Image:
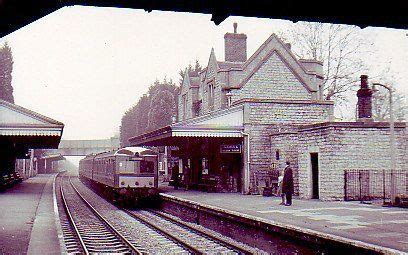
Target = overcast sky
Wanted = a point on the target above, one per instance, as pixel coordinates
(84, 66)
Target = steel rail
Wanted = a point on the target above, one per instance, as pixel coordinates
(131, 246)
(239, 249)
(72, 222)
(189, 247)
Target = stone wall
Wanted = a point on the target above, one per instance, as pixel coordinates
(191, 96)
(261, 119)
(290, 112)
(273, 80)
(286, 144)
(343, 147)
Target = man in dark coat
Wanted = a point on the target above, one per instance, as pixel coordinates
(187, 176)
(287, 185)
(175, 176)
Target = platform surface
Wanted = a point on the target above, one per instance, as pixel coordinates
(371, 224)
(27, 219)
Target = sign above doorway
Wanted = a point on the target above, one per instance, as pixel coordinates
(230, 148)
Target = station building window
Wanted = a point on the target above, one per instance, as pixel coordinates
(211, 96)
(184, 106)
(277, 154)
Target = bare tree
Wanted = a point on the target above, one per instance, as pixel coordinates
(381, 104)
(338, 47)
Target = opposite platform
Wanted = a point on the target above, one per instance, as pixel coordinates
(27, 218)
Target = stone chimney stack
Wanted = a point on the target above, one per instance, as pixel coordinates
(364, 102)
(235, 46)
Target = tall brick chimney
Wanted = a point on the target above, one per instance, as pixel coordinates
(364, 102)
(235, 46)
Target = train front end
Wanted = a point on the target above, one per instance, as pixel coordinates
(137, 174)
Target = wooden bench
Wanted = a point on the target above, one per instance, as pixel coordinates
(206, 187)
(208, 184)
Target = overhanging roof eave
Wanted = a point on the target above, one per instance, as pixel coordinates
(165, 133)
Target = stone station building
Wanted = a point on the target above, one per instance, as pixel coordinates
(240, 119)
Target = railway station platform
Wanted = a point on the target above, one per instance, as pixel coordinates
(381, 229)
(27, 218)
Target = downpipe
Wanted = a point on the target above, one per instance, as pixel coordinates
(247, 170)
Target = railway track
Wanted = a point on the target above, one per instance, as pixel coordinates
(198, 241)
(71, 238)
(94, 233)
(100, 227)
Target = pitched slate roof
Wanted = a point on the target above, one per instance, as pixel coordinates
(29, 113)
(19, 121)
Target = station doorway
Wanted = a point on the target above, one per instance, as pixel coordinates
(215, 164)
(314, 162)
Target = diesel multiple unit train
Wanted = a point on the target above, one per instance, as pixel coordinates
(128, 175)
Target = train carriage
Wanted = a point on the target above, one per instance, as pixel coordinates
(127, 174)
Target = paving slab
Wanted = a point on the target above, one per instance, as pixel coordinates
(369, 224)
(26, 208)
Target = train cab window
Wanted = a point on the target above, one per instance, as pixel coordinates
(146, 167)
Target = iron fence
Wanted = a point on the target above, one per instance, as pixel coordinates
(369, 185)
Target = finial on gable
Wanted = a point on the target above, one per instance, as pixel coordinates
(235, 27)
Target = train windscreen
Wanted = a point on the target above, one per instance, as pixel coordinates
(146, 167)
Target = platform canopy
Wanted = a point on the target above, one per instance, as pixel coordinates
(225, 124)
(173, 135)
(22, 129)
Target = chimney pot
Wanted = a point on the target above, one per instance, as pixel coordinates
(235, 27)
(364, 81)
(364, 103)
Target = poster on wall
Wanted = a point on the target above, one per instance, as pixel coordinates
(204, 166)
(180, 165)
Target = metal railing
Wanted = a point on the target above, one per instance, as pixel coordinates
(369, 185)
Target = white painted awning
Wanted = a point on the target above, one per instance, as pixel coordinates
(19, 121)
(30, 132)
(206, 133)
(226, 123)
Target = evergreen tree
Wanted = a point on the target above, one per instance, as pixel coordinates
(152, 111)
(6, 68)
(161, 109)
(191, 71)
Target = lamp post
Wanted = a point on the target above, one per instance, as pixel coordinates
(392, 143)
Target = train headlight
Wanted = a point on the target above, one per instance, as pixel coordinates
(122, 183)
(137, 183)
(150, 183)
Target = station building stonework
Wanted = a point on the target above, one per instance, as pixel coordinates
(242, 118)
